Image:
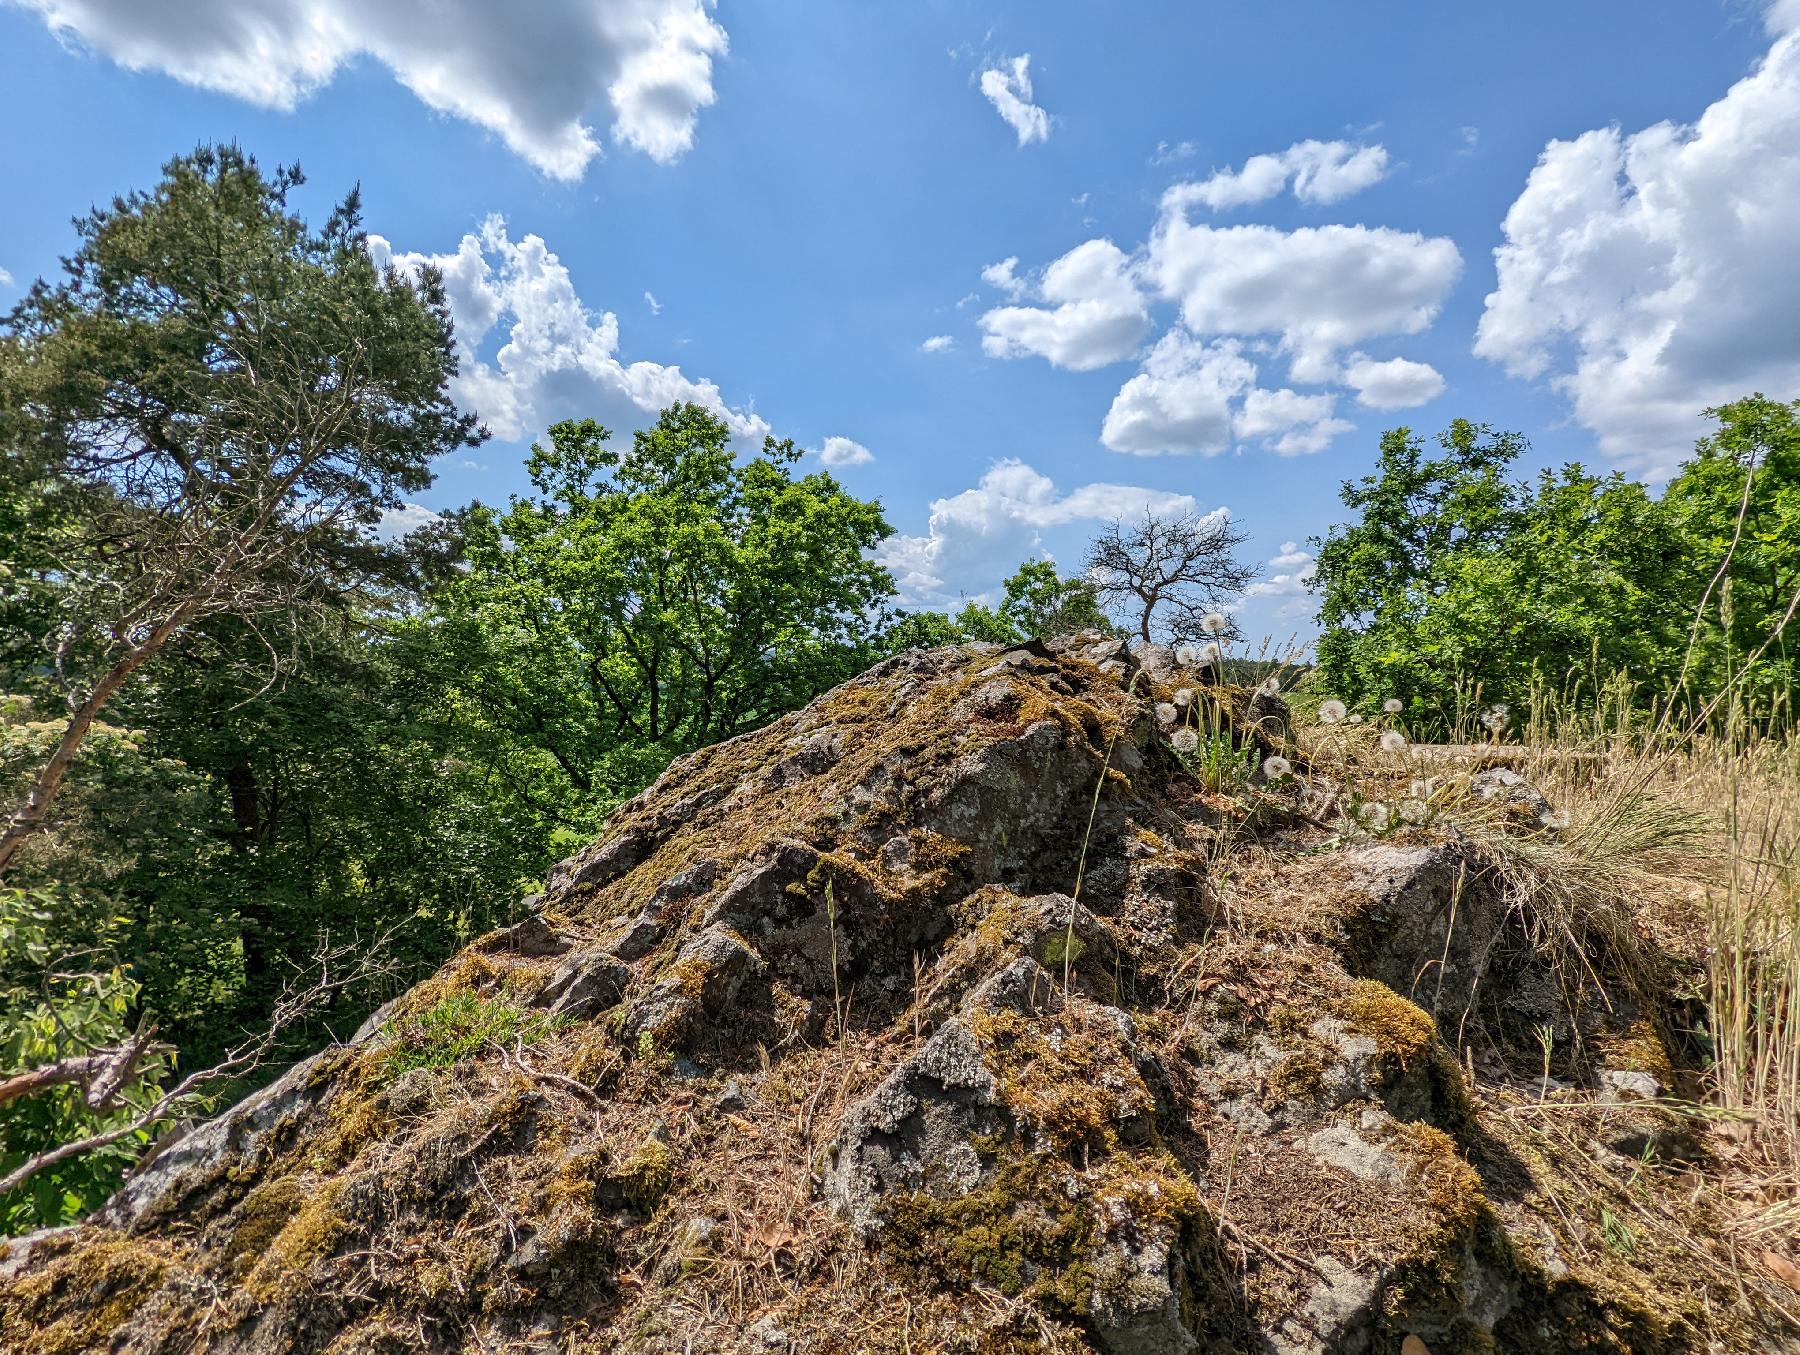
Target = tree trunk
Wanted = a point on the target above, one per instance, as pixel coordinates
(29, 818)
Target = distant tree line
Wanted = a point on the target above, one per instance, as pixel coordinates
(1456, 582)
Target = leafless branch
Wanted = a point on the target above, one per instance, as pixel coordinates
(104, 1075)
(1166, 573)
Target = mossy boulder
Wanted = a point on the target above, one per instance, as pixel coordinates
(950, 1013)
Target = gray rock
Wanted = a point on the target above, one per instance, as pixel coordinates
(640, 935)
(916, 1131)
(703, 980)
(1158, 663)
(1629, 1083)
(1505, 787)
(533, 936)
(586, 983)
(1140, 1276)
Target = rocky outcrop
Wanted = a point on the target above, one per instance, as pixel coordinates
(953, 1012)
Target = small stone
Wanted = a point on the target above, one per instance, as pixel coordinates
(1517, 796)
(1631, 1083)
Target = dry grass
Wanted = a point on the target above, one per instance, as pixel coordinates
(1678, 875)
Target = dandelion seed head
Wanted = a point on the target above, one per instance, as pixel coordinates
(1374, 816)
(1210, 652)
(1496, 717)
(1414, 811)
(1186, 655)
(1392, 741)
(1393, 706)
(1165, 712)
(1271, 686)
(1185, 740)
(1356, 719)
(1184, 696)
(1330, 712)
(1423, 789)
(1214, 623)
(1277, 767)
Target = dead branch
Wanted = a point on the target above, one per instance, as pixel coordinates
(106, 1072)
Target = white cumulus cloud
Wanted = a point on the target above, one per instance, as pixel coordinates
(1651, 274)
(1008, 89)
(1004, 277)
(408, 517)
(1197, 395)
(1398, 383)
(558, 359)
(1318, 288)
(938, 343)
(6, 278)
(1321, 172)
(843, 452)
(975, 538)
(1287, 583)
(1096, 314)
(531, 74)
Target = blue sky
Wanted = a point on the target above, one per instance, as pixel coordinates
(1247, 238)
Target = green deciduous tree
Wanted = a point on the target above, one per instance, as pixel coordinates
(1036, 600)
(1455, 573)
(649, 600)
(1736, 505)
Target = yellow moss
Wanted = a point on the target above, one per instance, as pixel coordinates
(261, 1216)
(306, 1238)
(934, 851)
(1287, 1020)
(78, 1302)
(1452, 1187)
(1299, 1076)
(1401, 1030)
(1069, 1078)
(1638, 1048)
(645, 1177)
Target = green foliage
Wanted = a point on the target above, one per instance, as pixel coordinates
(1452, 573)
(649, 601)
(457, 1027)
(1738, 500)
(55, 1004)
(1037, 601)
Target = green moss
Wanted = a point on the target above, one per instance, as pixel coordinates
(1036, 1231)
(1288, 1021)
(259, 1219)
(305, 1239)
(642, 1179)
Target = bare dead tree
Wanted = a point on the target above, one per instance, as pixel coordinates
(106, 1075)
(215, 405)
(1163, 574)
